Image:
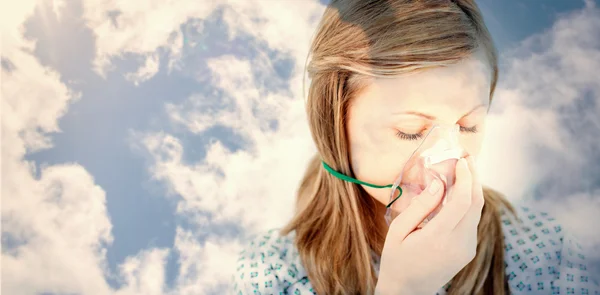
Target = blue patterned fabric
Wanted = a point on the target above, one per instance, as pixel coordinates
(540, 258)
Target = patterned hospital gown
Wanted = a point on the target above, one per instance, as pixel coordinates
(540, 258)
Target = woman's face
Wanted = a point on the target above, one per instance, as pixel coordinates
(389, 119)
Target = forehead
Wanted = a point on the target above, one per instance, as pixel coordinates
(455, 88)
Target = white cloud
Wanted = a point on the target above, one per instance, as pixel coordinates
(512, 139)
(141, 27)
(283, 25)
(147, 71)
(55, 226)
(57, 7)
(204, 268)
(62, 224)
(229, 182)
(58, 224)
(144, 273)
(228, 185)
(544, 138)
(144, 28)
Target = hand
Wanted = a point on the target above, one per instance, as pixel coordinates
(423, 260)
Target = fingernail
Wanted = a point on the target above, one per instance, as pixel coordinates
(434, 186)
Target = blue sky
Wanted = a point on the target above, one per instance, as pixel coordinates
(149, 102)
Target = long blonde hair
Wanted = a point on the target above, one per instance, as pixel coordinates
(337, 223)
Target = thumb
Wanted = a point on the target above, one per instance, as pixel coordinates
(420, 207)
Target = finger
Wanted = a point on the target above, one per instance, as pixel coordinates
(457, 206)
(470, 222)
(420, 206)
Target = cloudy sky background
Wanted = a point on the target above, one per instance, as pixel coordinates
(144, 142)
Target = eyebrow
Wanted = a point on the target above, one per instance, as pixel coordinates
(430, 117)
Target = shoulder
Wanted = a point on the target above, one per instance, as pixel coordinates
(531, 228)
(542, 257)
(269, 263)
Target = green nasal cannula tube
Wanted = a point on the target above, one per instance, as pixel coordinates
(353, 180)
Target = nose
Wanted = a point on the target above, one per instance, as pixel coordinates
(436, 157)
(444, 170)
(442, 153)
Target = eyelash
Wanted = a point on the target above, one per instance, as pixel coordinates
(417, 136)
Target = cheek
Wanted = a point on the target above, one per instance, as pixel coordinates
(472, 142)
(372, 163)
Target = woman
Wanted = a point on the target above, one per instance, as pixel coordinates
(383, 73)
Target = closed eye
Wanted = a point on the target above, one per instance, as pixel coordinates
(417, 136)
(472, 129)
(407, 136)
